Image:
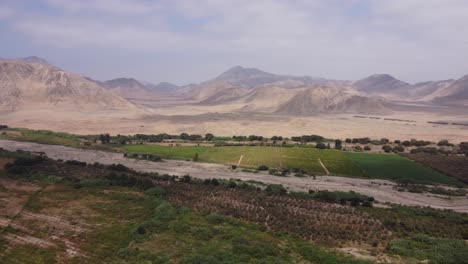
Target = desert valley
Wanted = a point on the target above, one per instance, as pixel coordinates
(240, 101)
(226, 132)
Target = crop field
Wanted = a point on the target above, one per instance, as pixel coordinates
(395, 167)
(253, 156)
(455, 166)
(41, 136)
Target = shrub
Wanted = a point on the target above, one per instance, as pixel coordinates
(156, 192)
(276, 189)
(165, 212)
(215, 218)
(262, 168)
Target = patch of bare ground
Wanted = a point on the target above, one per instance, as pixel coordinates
(19, 226)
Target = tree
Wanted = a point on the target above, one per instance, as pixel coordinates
(209, 137)
(320, 145)
(195, 158)
(104, 138)
(338, 144)
(399, 149)
(387, 148)
(384, 140)
(367, 148)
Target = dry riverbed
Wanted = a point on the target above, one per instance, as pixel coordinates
(381, 190)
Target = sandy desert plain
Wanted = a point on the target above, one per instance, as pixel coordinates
(164, 116)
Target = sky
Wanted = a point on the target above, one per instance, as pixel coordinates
(189, 41)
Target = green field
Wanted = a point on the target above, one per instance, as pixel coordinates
(395, 167)
(42, 137)
(254, 156)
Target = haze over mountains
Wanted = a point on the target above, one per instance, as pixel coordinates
(32, 82)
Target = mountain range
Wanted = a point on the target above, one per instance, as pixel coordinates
(33, 82)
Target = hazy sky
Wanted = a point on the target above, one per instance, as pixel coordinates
(194, 40)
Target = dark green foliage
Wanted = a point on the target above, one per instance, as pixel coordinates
(338, 144)
(424, 247)
(276, 189)
(387, 148)
(76, 163)
(209, 137)
(321, 145)
(308, 138)
(262, 168)
(118, 167)
(186, 179)
(215, 218)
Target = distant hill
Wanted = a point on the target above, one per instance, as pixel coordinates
(326, 99)
(35, 85)
(163, 88)
(129, 88)
(379, 83)
(422, 91)
(34, 59)
(251, 79)
(267, 98)
(455, 93)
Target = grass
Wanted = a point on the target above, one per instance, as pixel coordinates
(42, 137)
(254, 156)
(423, 247)
(126, 228)
(398, 168)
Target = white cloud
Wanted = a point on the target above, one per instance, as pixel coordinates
(119, 7)
(409, 38)
(6, 12)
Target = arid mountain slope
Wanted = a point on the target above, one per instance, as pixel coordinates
(267, 98)
(456, 93)
(251, 79)
(379, 84)
(25, 85)
(129, 88)
(327, 99)
(225, 96)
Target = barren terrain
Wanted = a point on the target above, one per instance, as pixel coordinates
(381, 190)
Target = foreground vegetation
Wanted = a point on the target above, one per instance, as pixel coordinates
(78, 212)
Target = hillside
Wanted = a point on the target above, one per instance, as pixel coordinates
(326, 99)
(25, 85)
(129, 88)
(224, 96)
(267, 98)
(456, 93)
(378, 83)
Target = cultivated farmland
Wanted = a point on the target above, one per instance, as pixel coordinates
(253, 156)
(395, 167)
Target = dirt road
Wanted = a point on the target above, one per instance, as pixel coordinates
(381, 190)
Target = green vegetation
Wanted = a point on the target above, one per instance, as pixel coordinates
(398, 168)
(41, 136)
(423, 247)
(304, 158)
(124, 225)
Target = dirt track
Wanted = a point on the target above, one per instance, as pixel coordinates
(381, 190)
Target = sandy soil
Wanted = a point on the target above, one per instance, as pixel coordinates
(381, 190)
(223, 122)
